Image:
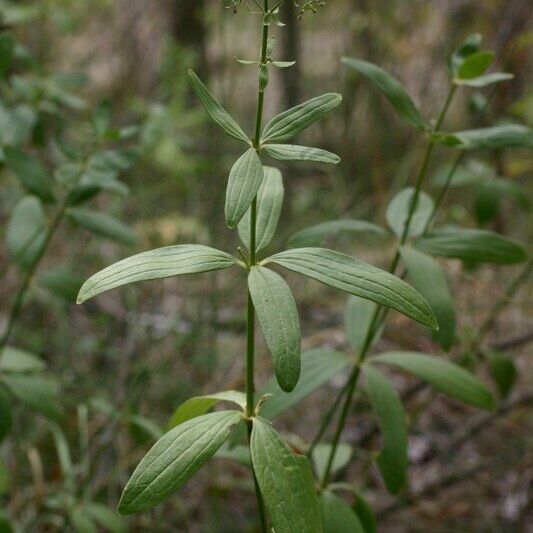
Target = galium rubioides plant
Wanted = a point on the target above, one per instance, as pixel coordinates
(286, 494)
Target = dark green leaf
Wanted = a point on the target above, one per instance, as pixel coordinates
(321, 454)
(292, 152)
(355, 277)
(493, 138)
(103, 225)
(365, 514)
(318, 367)
(428, 278)
(216, 111)
(391, 88)
(337, 517)
(475, 65)
(442, 375)
(386, 403)
(244, 181)
(278, 316)
(503, 372)
(156, 264)
(398, 212)
(291, 122)
(174, 459)
(6, 418)
(472, 245)
(288, 493)
(143, 430)
(269, 204)
(468, 47)
(62, 283)
(7, 47)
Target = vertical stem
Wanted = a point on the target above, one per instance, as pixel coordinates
(250, 320)
(379, 314)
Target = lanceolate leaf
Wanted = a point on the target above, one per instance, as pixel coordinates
(391, 88)
(321, 454)
(201, 404)
(355, 277)
(429, 279)
(398, 212)
(442, 375)
(392, 460)
(174, 459)
(244, 181)
(16, 360)
(478, 246)
(288, 493)
(292, 152)
(357, 320)
(6, 418)
(318, 367)
(30, 172)
(103, 225)
(487, 79)
(503, 372)
(365, 513)
(337, 517)
(216, 111)
(289, 123)
(160, 263)
(278, 316)
(315, 235)
(269, 204)
(495, 137)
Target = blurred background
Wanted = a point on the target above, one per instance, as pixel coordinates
(100, 77)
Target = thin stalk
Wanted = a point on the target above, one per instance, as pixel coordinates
(379, 314)
(250, 321)
(16, 308)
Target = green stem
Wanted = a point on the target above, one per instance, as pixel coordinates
(379, 314)
(16, 308)
(250, 321)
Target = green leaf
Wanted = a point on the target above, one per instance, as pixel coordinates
(174, 459)
(16, 125)
(337, 517)
(357, 320)
(7, 47)
(315, 235)
(62, 283)
(503, 372)
(30, 172)
(5, 482)
(291, 122)
(216, 111)
(365, 513)
(19, 361)
(468, 47)
(81, 521)
(484, 81)
(287, 491)
(321, 454)
(269, 204)
(199, 405)
(493, 138)
(113, 160)
(36, 392)
(386, 403)
(6, 418)
(244, 181)
(442, 375)
(103, 225)
(292, 152)
(156, 264)
(391, 88)
(105, 517)
(143, 430)
(278, 316)
(475, 65)
(318, 367)
(25, 233)
(472, 245)
(428, 278)
(355, 277)
(398, 212)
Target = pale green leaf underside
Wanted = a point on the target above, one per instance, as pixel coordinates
(292, 152)
(386, 403)
(495, 137)
(244, 181)
(278, 316)
(321, 454)
(291, 122)
(398, 212)
(315, 235)
(357, 320)
(485, 80)
(337, 517)
(174, 459)
(269, 204)
(428, 278)
(16, 360)
(391, 88)
(216, 111)
(442, 375)
(318, 367)
(199, 405)
(475, 245)
(155, 264)
(355, 277)
(288, 493)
